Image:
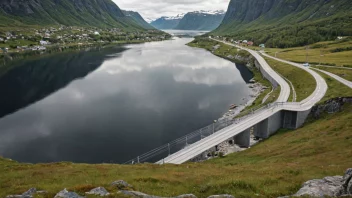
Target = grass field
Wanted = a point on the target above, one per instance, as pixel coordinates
(335, 88)
(342, 72)
(337, 53)
(303, 88)
(276, 167)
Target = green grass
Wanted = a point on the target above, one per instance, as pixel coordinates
(342, 72)
(304, 88)
(317, 53)
(335, 88)
(275, 167)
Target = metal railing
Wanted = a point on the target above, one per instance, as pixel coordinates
(170, 148)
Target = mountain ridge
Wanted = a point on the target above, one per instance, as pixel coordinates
(201, 20)
(138, 19)
(286, 23)
(94, 13)
(196, 20)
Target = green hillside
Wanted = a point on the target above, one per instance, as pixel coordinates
(287, 23)
(138, 19)
(95, 13)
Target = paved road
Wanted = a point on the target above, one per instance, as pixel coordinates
(285, 88)
(321, 86)
(336, 77)
(335, 67)
(247, 122)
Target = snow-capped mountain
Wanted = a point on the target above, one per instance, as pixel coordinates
(197, 20)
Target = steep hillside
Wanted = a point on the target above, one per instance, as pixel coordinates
(201, 20)
(167, 22)
(138, 19)
(97, 13)
(287, 23)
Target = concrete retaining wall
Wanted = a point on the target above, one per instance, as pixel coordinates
(301, 117)
(266, 75)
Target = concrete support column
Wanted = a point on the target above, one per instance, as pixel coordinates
(243, 139)
(261, 130)
(290, 119)
(301, 117)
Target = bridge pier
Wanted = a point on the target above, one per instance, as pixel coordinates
(243, 139)
(290, 120)
(261, 130)
(275, 122)
(301, 117)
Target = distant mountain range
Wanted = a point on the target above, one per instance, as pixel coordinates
(94, 13)
(166, 23)
(287, 23)
(198, 20)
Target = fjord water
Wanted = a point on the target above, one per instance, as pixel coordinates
(112, 104)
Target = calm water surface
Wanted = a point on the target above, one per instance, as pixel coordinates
(112, 104)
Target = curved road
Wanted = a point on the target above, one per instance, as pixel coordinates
(247, 122)
(336, 77)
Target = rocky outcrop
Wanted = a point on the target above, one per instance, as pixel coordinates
(120, 184)
(136, 194)
(328, 186)
(331, 106)
(28, 194)
(221, 196)
(100, 191)
(66, 194)
(335, 186)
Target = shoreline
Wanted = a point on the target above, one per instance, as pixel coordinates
(256, 88)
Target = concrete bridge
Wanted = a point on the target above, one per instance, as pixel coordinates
(263, 122)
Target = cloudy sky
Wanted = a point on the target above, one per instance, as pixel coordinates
(152, 9)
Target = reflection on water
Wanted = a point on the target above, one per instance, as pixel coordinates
(113, 104)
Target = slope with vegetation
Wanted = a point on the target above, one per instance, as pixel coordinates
(138, 19)
(287, 23)
(102, 14)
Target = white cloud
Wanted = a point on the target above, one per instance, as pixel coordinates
(152, 9)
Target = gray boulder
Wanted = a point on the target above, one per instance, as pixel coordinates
(98, 191)
(137, 194)
(221, 196)
(120, 184)
(187, 196)
(28, 194)
(347, 182)
(143, 195)
(66, 194)
(329, 186)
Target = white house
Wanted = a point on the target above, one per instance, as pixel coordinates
(244, 41)
(1, 39)
(44, 42)
(96, 33)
